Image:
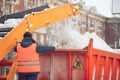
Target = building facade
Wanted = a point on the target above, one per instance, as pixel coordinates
(112, 32)
(106, 28)
(12, 6)
(90, 21)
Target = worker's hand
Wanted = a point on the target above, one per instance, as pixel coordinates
(53, 48)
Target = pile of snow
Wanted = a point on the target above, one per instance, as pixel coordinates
(64, 36)
(10, 23)
(97, 41)
(67, 38)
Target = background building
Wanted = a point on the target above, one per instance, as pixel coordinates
(91, 21)
(11, 6)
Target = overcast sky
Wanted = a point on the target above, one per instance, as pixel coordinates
(103, 6)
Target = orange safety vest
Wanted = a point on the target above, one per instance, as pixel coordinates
(28, 59)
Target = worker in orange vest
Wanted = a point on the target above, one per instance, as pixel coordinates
(28, 57)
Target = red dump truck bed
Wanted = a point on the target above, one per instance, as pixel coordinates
(89, 64)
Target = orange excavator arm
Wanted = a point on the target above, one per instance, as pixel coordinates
(32, 22)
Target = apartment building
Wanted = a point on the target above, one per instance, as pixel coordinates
(90, 20)
(108, 28)
(12, 6)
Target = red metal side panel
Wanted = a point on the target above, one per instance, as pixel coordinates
(106, 65)
(102, 68)
(107, 68)
(102, 65)
(114, 69)
(93, 64)
(45, 64)
(118, 69)
(63, 65)
(96, 66)
(60, 66)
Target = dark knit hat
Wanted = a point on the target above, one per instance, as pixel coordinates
(27, 34)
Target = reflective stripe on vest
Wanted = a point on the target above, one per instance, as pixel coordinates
(31, 63)
(28, 59)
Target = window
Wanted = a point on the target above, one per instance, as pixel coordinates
(7, 10)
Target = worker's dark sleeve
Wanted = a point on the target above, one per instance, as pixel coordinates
(15, 48)
(44, 49)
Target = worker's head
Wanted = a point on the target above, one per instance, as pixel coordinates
(27, 34)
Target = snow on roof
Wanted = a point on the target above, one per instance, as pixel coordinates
(10, 23)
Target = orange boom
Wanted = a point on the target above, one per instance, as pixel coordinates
(30, 23)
